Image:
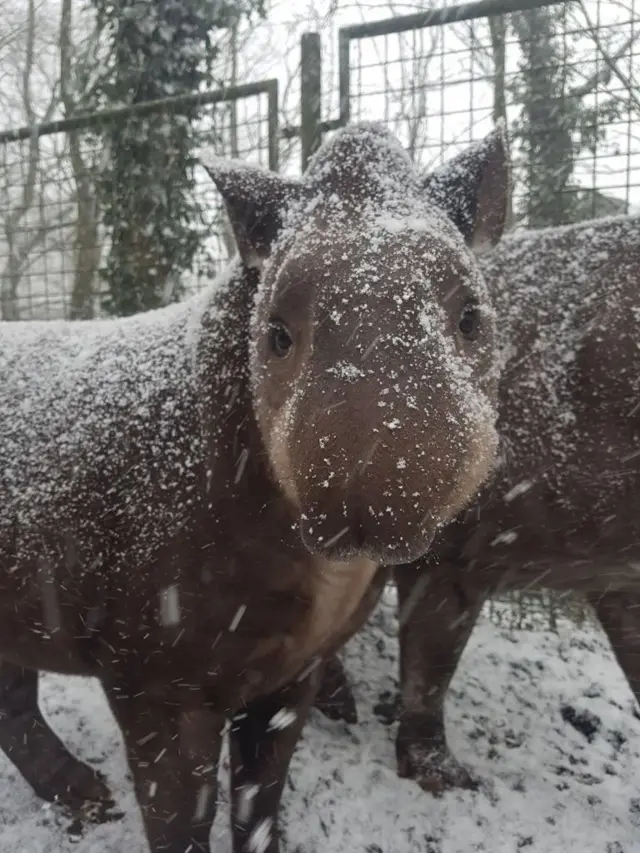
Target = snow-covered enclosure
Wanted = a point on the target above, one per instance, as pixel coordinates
(545, 720)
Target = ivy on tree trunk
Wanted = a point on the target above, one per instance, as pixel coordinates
(547, 118)
(556, 121)
(159, 49)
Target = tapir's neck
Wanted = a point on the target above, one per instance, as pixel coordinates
(237, 468)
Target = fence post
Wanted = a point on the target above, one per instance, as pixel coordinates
(310, 96)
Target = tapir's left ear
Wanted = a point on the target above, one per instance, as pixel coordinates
(473, 189)
(256, 201)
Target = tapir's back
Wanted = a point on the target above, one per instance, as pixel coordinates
(568, 305)
(81, 407)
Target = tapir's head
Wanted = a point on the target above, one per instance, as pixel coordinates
(372, 356)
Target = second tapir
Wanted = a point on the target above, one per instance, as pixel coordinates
(561, 510)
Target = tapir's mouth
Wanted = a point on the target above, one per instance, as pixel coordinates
(349, 542)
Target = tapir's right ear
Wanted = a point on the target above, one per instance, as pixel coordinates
(474, 188)
(256, 201)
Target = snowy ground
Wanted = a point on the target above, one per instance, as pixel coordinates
(548, 786)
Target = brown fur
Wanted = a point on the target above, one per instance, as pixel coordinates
(198, 520)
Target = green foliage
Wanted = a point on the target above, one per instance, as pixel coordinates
(159, 49)
(557, 121)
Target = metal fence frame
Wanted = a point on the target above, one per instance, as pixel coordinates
(313, 126)
(417, 21)
(54, 296)
(351, 96)
(176, 104)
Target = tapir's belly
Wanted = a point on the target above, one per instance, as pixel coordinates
(569, 527)
(44, 625)
(519, 556)
(40, 624)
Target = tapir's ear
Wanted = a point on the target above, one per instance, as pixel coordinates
(256, 201)
(473, 189)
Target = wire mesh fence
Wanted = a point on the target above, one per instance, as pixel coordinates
(540, 610)
(561, 75)
(53, 241)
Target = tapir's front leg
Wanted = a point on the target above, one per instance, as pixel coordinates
(262, 741)
(436, 617)
(36, 751)
(173, 754)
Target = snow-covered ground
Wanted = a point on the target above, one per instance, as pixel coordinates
(547, 786)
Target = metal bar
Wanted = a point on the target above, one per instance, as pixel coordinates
(344, 69)
(310, 96)
(175, 104)
(438, 17)
(272, 124)
(294, 130)
(330, 124)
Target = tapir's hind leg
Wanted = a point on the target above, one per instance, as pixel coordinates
(35, 750)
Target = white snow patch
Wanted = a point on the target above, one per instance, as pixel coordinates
(245, 802)
(282, 719)
(237, 617)
(519, 489)
(169, 605)
(347, 371)
(260, 838)
(505, 538)
(205, 792)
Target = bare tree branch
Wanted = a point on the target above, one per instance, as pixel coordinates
(87, 249)
(603, 77)
(16, 225)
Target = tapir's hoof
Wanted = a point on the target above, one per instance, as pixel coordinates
(429, 763)
(76, 786)
(435, 772)
(335, 698)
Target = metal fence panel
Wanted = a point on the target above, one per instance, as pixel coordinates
(52, 241)
(439, 79)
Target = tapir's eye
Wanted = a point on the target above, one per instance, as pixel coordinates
(280, 340)
(469, 322)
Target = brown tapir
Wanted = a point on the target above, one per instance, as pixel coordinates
(195, 502)
(562, 509)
